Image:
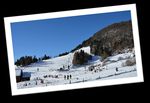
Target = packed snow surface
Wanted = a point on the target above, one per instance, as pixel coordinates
(48, 73)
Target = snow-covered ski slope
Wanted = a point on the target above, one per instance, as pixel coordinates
(47, 73)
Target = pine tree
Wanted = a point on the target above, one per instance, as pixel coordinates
(45, 57)
(35, 59)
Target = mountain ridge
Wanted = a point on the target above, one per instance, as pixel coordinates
(113, 38)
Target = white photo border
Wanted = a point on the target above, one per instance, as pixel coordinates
(42, 16)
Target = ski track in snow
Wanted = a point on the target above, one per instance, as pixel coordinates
(48, 70)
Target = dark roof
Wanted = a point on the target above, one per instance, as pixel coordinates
(26, 74)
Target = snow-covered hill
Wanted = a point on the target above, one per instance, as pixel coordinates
(48, 71)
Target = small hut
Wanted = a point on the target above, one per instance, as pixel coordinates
(22, 76)
(18, 75)
(26, 76)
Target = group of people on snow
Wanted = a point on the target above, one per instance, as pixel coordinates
(66, 77)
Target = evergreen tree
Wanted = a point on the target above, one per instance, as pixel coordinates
(39, 59)
(62, 54)
(81, 57)
(45, 57)
(35, 59)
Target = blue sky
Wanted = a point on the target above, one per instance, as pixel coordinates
(55, 36)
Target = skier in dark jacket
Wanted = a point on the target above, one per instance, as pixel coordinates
(116, 68)
(70, 76)
(64, 76)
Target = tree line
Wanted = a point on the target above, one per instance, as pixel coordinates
(62, 54)
(27, 60)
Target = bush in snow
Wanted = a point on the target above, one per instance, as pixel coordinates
(129, 62)
(120, 58)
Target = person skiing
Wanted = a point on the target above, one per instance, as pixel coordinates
(70, 76)
(68, 67)
(67, 76)
(64, 76)
(37, 69)
(116, 68)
